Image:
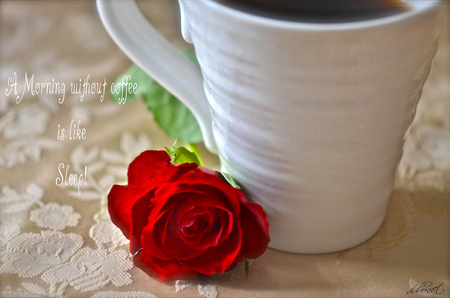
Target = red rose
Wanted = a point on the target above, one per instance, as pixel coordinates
(183, 219)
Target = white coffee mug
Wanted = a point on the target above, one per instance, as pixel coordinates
(309, 118)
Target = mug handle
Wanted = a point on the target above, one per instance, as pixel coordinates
(148, 49)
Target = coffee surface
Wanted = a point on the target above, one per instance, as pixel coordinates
(320, 11)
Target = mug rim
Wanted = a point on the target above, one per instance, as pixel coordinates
(340, 26)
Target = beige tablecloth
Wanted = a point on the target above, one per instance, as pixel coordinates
(55, 243)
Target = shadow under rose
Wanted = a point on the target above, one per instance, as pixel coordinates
(277, 271)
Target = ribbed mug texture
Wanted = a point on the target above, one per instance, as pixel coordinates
(311, 122)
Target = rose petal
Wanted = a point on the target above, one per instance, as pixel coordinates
(153, 168)
(212, 173)
(220, 219)
(179, 246)
(194, 224)
(120, 201)
(183, 168)
(140, 212)
(171, 194)
(169, 270)
(203, 181)
(184, 207)
(149, 170)
(171, 241)
(255, 231)
(217, 259)
(211, 235)
(155, 236)
(226, 221)
(207, 196)
(151, 236)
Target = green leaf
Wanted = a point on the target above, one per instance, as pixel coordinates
(171, 151)
(182, 155)
(179, 155)
(136, 75)
(229, 179)
(171, 115)
(191, 55)
(247, 268)
(193, 148)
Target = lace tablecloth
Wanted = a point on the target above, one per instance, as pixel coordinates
(55, 241)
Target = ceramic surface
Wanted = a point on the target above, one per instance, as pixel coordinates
(309, 118)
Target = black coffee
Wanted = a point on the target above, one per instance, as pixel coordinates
(320, 11)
